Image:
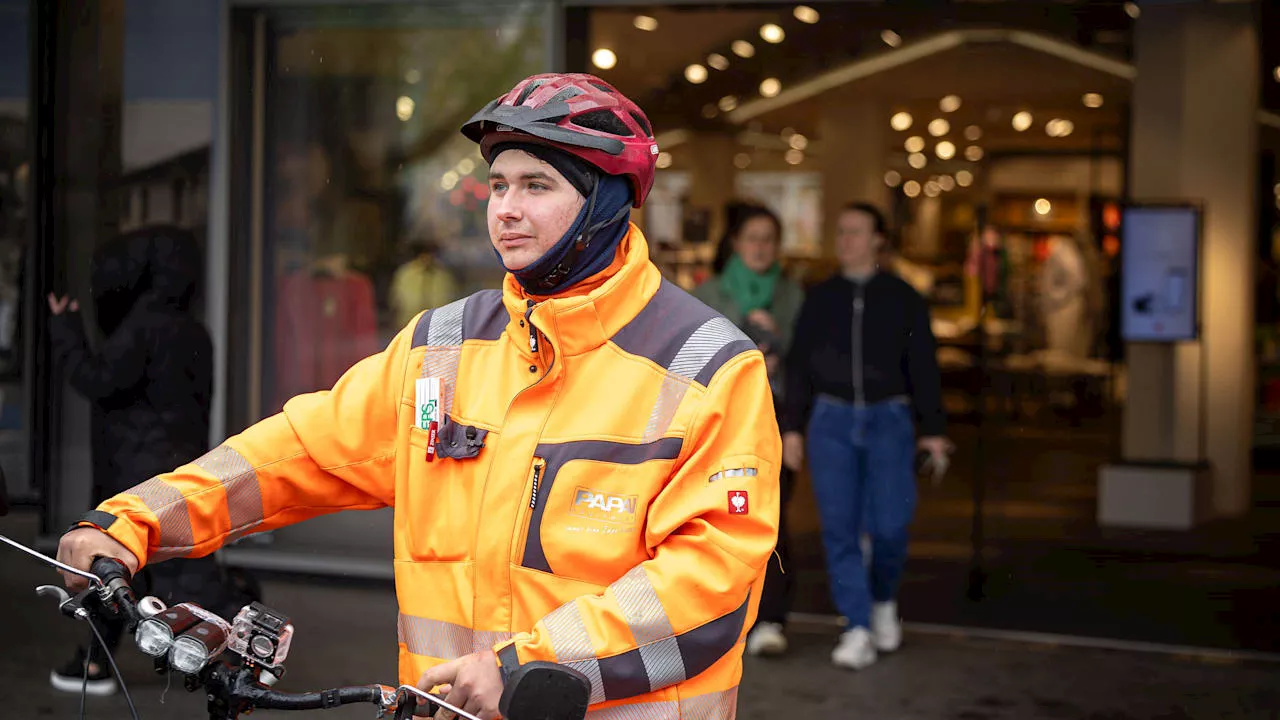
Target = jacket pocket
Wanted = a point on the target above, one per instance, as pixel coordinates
(524, 527)
(438, 520)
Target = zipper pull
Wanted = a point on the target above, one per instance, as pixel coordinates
(533, 332)
(537, 478)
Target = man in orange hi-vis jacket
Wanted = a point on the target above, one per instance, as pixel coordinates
(583, 466)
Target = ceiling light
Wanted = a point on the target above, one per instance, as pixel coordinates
(646, 23)
(947, 183)
(412, 76)
(794, 157)
(1059, 128)
(805, 14)
(604, 58)
(742, 161)
(900, 121)
(973, 132)
(709, 111)
(695, 74)
(1043, 207)
(718, 61)
(798, 141)
(945, 150)
(787, 132)
(404, 108)
(664, 160)
(964, 178)
(917, 160)
(743, 49)
(973, 153)
(728, 103)
(939, 127)
(891, 38)
(1276, 73)
(449, 180)
(466, 166)
(911, 188)
(949, 104)
(914, 144)
(770, 87)
(1132, 9)
(1092, 100)
(771, 33)
(932, 189)
(892, 178)
(1022, 121)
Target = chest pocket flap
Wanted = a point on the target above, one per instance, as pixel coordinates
(458, 441)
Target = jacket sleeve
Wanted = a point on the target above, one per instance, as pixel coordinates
(119, 365)
(675, 615)
(326, 451)
(798, 399)
(922, 370)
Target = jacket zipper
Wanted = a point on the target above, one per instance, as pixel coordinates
(535, 486)
(533, 331)
(859, 305)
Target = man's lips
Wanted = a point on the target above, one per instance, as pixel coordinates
(513, 239)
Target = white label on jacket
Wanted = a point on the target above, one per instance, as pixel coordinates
(427, 402)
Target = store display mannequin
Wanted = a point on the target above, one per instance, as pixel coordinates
(325, 323)
(1064, 302)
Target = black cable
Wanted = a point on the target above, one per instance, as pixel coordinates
(84, 686)
(116, 670)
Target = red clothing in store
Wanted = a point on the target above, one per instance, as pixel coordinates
(325, 323)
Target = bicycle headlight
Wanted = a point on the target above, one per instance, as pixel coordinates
(155, 634)
(197, 646)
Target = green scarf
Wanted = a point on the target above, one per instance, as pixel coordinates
(749, 289)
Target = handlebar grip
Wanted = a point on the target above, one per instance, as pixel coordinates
(272, 700)
(109, 569)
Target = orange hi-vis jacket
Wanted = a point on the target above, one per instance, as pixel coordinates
(604, 491)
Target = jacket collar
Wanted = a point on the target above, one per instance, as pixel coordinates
(587, 315)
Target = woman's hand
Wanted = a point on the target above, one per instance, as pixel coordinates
(59, 305)
(793, 450)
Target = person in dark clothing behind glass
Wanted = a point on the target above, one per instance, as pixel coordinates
(862, 375)
(150, 384)
(750, 290)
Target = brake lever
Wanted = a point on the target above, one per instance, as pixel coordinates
(404, 691)
(93, 579)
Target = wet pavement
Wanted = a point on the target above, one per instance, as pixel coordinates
(346, 635)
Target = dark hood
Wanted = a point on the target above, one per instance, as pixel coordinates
(162, 262)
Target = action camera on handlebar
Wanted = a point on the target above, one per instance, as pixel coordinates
(261, 634)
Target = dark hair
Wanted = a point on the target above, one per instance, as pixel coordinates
(737, 215)
(878, 222)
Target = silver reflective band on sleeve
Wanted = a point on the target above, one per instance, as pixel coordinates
(240, 481)
(711, 706)
(692, 358)
(444, 640)
(734, 473)
(170, 508)
(651, 627)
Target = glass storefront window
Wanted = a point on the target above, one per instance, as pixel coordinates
(374, 203)
(15, 173)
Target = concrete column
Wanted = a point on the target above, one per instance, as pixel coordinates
(853, 130)
(1194, 137)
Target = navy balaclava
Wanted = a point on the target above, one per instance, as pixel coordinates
(591, 241)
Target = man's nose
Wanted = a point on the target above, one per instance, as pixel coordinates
(508, 208)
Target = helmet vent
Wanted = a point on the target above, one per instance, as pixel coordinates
(565, 94)
(524, 94)
(602, 86)
(641, 122)
(602, 121)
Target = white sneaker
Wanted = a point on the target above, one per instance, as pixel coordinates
(766, 639)
(855, 650)
(886, 626)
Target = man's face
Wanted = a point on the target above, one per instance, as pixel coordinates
(857, 241)
(531, 206)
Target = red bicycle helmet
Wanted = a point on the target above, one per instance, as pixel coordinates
(579, 114)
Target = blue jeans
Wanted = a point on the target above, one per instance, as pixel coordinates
(862, 461)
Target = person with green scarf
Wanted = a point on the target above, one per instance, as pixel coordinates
(750, 290)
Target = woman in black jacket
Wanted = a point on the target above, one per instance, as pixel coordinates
(861, 374)
(150, 384)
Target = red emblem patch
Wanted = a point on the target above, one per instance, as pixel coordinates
(738, 504)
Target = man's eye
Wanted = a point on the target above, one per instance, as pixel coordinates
(537, 186)
(498, 186)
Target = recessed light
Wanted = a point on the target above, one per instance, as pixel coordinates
(604, 58)
(646, 23)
